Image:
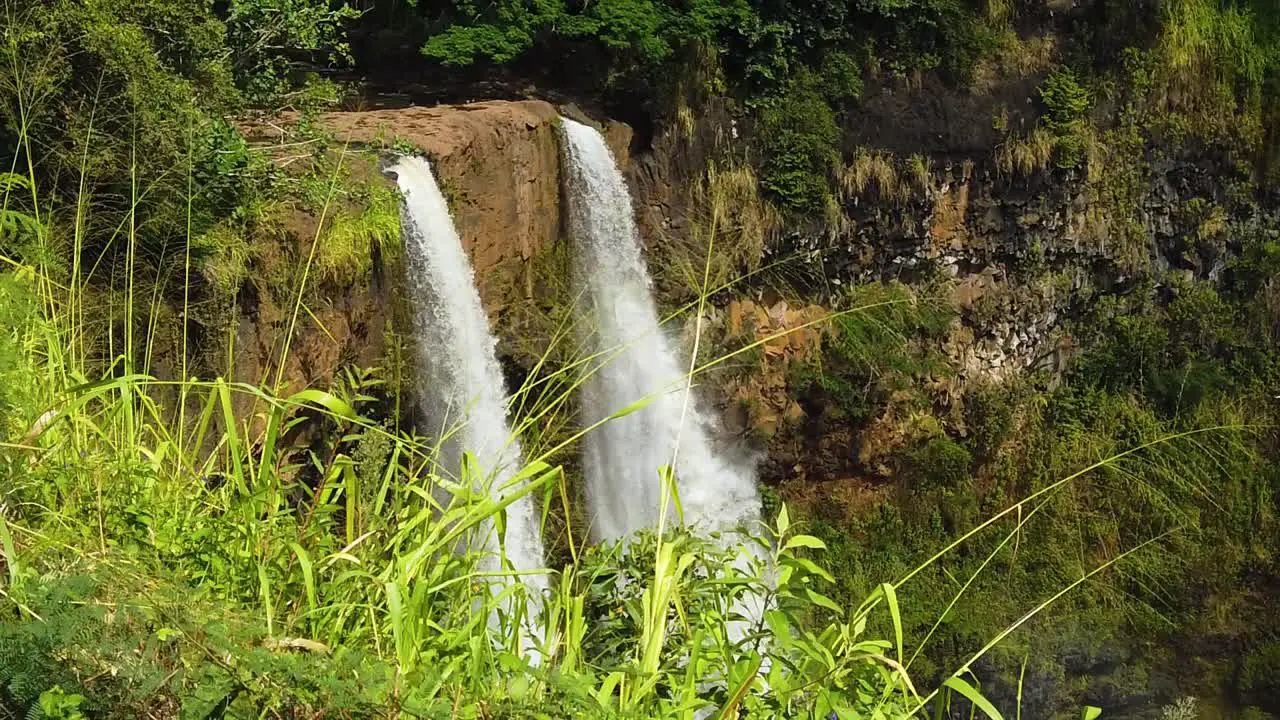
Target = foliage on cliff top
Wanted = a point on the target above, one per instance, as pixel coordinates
(1228, 39)
(761, 43)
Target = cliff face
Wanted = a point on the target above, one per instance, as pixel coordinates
(498, 164)
(1021, 253)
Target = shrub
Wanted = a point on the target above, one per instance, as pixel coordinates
(1260, 671)
(800, 139)
(1066, 107)
(989, 414)
(939, 463)
(1066, 102)
(271, 39)
(124, 102)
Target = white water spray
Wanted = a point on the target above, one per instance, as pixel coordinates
(462, 388)
(623, 457)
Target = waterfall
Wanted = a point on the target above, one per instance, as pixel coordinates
(461, 385)
(622, 457)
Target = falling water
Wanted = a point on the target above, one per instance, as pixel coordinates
(462, 387)
(623, 457)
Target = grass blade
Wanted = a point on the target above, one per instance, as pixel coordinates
(973, 696)
(10, 552)
(891, 598)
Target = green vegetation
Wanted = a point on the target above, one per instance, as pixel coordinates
(796, 63)
(801, 142)
(763, 44)
(218, 568)
(346, 249)
(880, 354)
(1066, 104)
(1157, 364)
(173, 547)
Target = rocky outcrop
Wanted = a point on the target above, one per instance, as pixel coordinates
(1023, 254)
(498, 164)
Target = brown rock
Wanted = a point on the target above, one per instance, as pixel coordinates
(618, 137)
(968, 291)
(499, 165)
(948, 216)
(737, 311)
(497, 162)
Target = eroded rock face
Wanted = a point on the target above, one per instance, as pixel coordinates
(498, 164)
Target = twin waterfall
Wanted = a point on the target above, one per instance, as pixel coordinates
(465, 399)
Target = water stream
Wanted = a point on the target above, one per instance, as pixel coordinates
(461, 387)
(623, 457)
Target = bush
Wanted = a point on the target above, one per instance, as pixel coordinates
(988, 416)
(1065, 100)
(273, 38)
(1260, 672)
(634, 37)
(1066, 105)
(801, 143)
(939, 463)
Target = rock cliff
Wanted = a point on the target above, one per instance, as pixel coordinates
(1020, 253)
(498, 165)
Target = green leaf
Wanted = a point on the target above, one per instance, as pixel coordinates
(804, 541)
(730, 709)
(975, 697)
(235, 458)
(812, 568)
(308, 577)
(326, 401)
(891, 597)
(264, 588)
(872, 647)
(9, 551)
(819, 599)
(1091, 712)
(636, 406)
(784, 520)
(604, 694)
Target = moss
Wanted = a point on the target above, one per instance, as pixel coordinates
(224, 254)
(938, 462)
(346, 251)
(989, 416)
